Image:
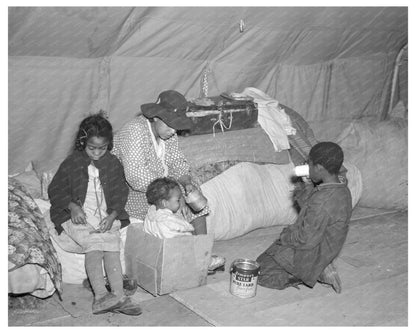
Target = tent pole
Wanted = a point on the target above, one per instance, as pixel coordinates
(394, 83)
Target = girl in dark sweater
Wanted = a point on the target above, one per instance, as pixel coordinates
(88, 194)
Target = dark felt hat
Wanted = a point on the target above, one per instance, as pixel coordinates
(171, 107)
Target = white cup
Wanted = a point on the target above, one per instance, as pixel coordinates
(302, 170)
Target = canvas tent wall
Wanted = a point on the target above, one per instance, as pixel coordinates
(331, 63)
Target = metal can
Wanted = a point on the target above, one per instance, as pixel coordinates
(243, 280)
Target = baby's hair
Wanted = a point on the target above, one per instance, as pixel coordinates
(159, 189)
(327, 154)
(95, 125)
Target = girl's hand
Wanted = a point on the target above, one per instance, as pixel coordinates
(106, 223)
(77, 215)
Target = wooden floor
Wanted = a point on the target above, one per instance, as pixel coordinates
(373, 266)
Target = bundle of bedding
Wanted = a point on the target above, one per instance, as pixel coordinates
(384, 167)
(32, 260)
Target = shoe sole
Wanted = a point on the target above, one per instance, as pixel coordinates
(110, 308)
(128, 312)
(218, 269)
(129, 309)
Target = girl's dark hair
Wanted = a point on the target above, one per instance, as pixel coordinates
(159, 190)
(95, 125)
(327, 154)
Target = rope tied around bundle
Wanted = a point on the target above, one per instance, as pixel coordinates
(220, 120)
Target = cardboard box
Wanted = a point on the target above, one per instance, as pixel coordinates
(162, 266)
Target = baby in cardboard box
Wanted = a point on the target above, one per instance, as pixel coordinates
(165, 218)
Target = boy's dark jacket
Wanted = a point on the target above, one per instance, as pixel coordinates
(305, 248)
(70, 183)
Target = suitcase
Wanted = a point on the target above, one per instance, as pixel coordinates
(224, 114)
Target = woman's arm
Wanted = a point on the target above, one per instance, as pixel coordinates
(175, 160)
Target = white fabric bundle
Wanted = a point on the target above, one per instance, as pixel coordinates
(248, 196)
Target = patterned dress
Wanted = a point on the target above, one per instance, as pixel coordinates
(144, 160)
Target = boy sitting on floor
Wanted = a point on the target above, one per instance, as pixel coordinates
(304, 251)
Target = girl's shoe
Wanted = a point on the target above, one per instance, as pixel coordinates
(127, 307)
(106, 303)
(217, 264)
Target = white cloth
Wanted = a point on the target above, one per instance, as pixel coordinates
(272, 118)
(95, 206)
(162, 223)
(160, 149)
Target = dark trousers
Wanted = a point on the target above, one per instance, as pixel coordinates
(272, 275)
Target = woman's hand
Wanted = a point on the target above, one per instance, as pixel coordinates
(77, 214)
(185, 181)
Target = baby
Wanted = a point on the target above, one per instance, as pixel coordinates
(163, 218)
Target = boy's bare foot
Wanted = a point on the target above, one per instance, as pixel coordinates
(330, 276)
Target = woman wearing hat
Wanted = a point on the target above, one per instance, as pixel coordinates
(147, 146)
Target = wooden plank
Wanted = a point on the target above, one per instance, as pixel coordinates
(379, 303)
